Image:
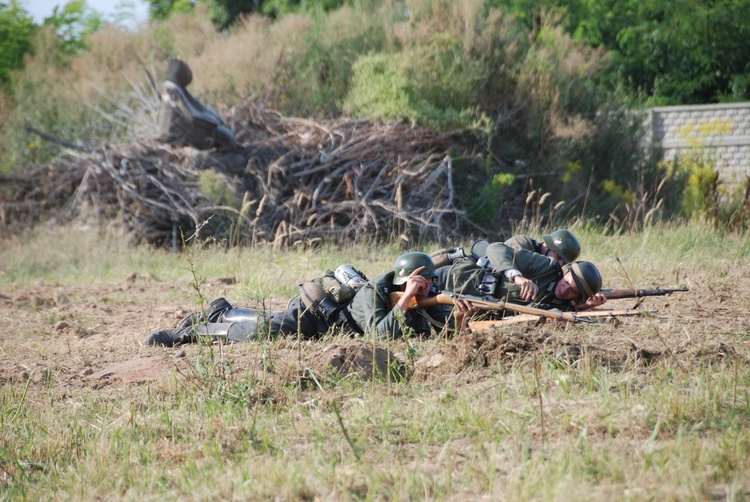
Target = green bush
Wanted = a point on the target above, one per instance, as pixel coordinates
(564, 132)
(483, 205)
(216, 189)
(702, 190)
(318, 65)
(433, 86)
(16, 33)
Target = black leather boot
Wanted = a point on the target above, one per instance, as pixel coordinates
(228, 332)
(165, 337)
(211, 314)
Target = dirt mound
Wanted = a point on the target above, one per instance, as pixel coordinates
(480, 348)
(317, 365)
(608, 346)
(359, 358)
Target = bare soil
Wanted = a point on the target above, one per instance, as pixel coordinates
(91, 337)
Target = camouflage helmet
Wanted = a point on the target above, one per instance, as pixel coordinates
(409, 262)
(586, 276)
(564, 243)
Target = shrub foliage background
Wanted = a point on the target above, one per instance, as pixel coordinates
(540, 84)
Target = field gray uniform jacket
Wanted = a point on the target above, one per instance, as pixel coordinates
(371, 310)
(299, 319)
(519, 242)
(465, 276)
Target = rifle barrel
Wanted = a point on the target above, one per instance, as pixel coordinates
(615, 294)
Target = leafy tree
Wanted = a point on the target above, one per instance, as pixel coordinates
(675, 52)
(17, 30)
(667, 51)
(72, 24)
(162, 9)
(226, 12)
(277, 8)
(223, 12)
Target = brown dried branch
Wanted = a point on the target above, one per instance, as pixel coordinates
(307, 181)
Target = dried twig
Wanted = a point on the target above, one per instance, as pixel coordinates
(340, 180)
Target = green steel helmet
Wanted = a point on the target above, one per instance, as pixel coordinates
(409, 262)
(564, 243)
(586, 276)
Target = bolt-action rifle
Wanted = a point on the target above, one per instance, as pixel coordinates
(486, 303)
(592, 315)
(616, 294)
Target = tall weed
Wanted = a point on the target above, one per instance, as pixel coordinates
(706, 195)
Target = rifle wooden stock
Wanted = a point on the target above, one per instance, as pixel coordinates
(616, 294)
(448, 298)
(591, 315)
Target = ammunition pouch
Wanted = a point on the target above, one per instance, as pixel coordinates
(326, 295)
(489, 284)
(466, 277)
(317, 299)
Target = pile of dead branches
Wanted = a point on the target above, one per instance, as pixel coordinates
(291, 181)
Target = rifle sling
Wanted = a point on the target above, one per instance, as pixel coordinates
(434, 322)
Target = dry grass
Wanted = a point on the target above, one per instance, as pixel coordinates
(652, 408)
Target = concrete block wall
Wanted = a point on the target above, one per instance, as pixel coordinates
(721, 132)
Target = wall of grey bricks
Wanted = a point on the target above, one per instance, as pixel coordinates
(718, 132)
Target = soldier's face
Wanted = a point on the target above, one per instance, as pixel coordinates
(567, 289)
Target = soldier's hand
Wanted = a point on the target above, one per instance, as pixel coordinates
(529, 289)
(417, 285)
(464, 307)
(595, 301)
(462, 313)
